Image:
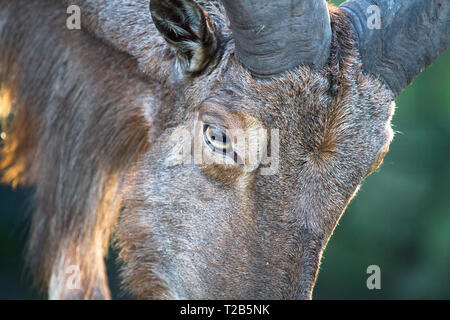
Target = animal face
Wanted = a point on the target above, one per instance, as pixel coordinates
(240, 193)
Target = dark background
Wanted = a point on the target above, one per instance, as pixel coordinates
(400, 219)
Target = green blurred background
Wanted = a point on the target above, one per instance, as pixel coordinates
(400, 219)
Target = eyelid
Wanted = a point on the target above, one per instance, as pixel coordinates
(215, 120)
(215, 113)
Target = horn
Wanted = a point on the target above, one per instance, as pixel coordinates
(411, 34)
(274, 36)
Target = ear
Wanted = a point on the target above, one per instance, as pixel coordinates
(188, 30)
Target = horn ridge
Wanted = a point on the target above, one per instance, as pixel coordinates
(275, 36)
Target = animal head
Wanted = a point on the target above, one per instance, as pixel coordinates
(262, 119)
(243, 190)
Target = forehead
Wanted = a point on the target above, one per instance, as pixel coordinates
(315, 112)
(278, 101)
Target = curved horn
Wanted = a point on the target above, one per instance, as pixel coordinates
(274, 36)
(411, 34)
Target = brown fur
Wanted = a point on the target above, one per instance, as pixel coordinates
(86, 116)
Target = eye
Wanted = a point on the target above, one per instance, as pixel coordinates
(217, 139)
